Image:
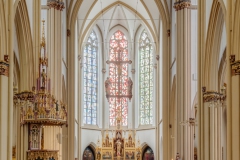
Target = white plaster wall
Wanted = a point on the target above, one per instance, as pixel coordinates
(15, 45)
(160, 141)
(76, 140)
(149, 137)
(225, 2)
(194, 55)
(89, 136)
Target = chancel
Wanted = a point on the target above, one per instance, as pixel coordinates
(119, 79)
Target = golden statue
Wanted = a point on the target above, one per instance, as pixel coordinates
(44, 77)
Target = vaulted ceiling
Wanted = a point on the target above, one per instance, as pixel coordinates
(129, 14)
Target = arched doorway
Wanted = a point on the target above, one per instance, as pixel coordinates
(148, 154)
(88, 154)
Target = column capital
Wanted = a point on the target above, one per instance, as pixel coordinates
(56, 4)
(4, 68)
(213, 96)
(181, 4)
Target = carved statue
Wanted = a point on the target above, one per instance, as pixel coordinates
(42, 141)
(107, 86)
(56, 105)
(130, 85)
(44, 77)
(98, 156)
(119, 148)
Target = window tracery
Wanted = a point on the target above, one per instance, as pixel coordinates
(146, 79)
(118, 77)
(90, 73)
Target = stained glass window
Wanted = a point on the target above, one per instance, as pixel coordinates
(88, 154)
(148, 154)
(146, 79)
(90, 80)
(118, 74)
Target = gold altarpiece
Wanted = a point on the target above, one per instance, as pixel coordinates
(118, 147)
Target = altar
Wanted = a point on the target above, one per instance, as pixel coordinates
(118, 147)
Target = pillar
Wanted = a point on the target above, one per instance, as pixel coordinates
(6, 79)
(54, 46)
(183, 76)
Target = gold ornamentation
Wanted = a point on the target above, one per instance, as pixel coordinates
(14, 152)
(235, 65)
(43, 154)
(213, 96)
(43, 61)
(181, 4)
(4, 68)
(43, 43)
(107, 142)
(40, 107)
(169, 32)
(130, 143)
(6, 58)
(56, 4)
(232, 58)
(119, 147)
(203, 89)
(68, 32)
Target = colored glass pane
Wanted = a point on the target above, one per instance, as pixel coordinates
(145, 79)
(118, 74)
(90, 80)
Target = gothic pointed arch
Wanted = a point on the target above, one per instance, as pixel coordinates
(25, 46)
(145, 79)
(118, 77)
(90, 80)
(147, 153)
(88, 154)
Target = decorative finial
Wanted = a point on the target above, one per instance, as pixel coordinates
(43, 43)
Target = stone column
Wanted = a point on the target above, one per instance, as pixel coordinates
(54, 52)
(183, 76)
(212, 103)
(6, 79)
(54, 46)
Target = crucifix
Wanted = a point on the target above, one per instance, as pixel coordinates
(119, 62)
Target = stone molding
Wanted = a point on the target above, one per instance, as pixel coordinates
(182, 4)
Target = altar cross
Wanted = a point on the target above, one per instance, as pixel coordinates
(118, 63)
